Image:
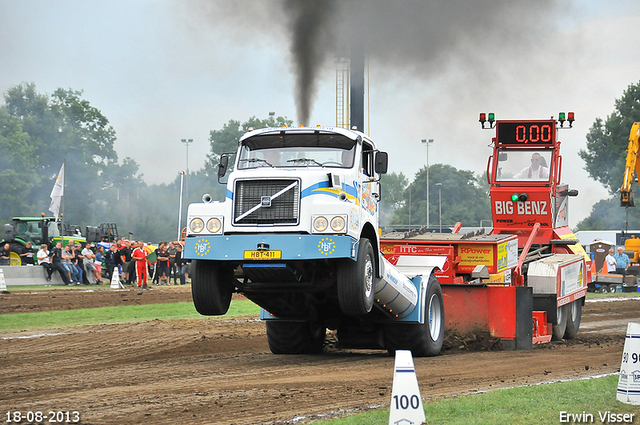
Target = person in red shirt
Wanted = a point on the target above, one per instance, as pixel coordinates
(140, 257)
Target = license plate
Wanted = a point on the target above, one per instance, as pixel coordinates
(262, 255)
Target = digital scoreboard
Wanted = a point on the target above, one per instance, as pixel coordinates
(526, 133)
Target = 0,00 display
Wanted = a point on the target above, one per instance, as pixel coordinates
(526, 132)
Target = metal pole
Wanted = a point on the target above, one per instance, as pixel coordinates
(439, 186)
(428, 186)
(180, 208)
(64, 186)
(186, 142)
(187, 169)
(427, 142)
(409, 207)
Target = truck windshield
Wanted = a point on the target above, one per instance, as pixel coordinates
(299, 150)
(523, 165)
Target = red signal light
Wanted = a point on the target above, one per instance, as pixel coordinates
(491, 119)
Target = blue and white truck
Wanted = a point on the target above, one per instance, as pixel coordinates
(298, 234)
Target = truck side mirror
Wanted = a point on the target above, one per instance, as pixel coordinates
(568, 192)
(10, 232)
(382, 162)
(222, 166)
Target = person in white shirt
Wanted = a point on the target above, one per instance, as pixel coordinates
(610, 262)
(45, 261)
(536, 171)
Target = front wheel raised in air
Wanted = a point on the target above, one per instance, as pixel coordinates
(560, 326)
(211, 287)
(423, 340)
(574, 316)
(356, 282)
(295, 337)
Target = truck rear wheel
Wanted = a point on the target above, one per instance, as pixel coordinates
(560, 326)
(211, 287)
(356, 282)
(574, 316)
(295, 337)
(424, 340)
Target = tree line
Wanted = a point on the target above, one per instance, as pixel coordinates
(38, 132)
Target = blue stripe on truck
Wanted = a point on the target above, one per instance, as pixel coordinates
(291, 246)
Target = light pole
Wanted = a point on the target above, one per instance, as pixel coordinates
(180, 208)
(426, 143)
(439, 186)
(186, 142)
(409, 208)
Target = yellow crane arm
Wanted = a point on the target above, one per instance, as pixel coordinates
(626, 196)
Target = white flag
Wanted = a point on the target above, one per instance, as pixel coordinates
(57, 193)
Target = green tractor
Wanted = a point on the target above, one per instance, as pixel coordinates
(39, 230)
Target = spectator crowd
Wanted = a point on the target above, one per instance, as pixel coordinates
(137, 263)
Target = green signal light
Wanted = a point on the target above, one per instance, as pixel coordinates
(519, 197)
(562, 116)
(492, 116)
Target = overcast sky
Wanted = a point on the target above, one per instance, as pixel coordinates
(163, 70)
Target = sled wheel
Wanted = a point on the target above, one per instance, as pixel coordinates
(560, 326)
(574, 316)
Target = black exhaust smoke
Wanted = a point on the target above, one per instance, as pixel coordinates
(404, 39)
(311, 40)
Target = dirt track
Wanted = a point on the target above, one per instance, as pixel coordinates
(220, 370)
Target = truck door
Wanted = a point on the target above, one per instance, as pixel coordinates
(369, 186)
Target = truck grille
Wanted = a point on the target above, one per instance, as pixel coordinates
(266, 202)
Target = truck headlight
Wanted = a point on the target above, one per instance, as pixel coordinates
(214, 225)
(320, 224)
(196, 225)
(338, 223)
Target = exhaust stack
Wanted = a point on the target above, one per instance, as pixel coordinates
(357, 87)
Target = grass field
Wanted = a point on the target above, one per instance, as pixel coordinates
(121, 314)
(531, 405)
(540, 404)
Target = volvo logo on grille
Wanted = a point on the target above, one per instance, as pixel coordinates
(265, 201)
